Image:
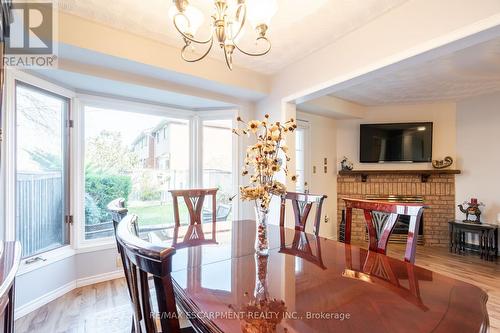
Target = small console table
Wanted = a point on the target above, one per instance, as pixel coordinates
(488, 238)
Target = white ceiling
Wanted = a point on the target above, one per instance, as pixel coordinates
(469, 72)
(299, 28)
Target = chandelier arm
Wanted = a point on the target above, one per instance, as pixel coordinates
(256, 54)
(189, 38)
(197, 59)
(243, 20)
(229, 63)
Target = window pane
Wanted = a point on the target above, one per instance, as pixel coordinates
(136, 156)
(218, 165)
(40, 169)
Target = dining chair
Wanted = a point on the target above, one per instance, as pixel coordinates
(142, 259)
(118, 212)
(302, 204)
(194, 199)
(380, 218)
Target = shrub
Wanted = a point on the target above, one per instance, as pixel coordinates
(102, 189)
(92, 212)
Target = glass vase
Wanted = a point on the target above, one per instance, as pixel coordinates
(261, 240)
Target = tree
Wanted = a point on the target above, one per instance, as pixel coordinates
(47, 161)
(106, 153)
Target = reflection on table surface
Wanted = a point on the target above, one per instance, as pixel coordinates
(310, 284)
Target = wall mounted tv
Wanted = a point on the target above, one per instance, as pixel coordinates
(405, 142)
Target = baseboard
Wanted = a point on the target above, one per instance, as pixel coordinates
(61, 291)
(87, 281)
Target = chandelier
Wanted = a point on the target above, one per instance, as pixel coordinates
(229, 18)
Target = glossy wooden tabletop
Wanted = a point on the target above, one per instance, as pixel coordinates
(310, 284)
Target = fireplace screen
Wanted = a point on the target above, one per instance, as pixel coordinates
(400, 231)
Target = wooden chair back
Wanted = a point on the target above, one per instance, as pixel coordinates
(118, 212)
(302, 204)
(194, 199)
(380, 229)
(140, 260)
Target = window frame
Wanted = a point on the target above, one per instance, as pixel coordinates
(117, 104)
(217, 115)
(195, 119)
(9, 156)
(306, 127)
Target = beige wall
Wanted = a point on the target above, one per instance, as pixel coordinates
(478, 153)
(444, 138)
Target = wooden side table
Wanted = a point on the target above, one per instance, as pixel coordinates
(487, 233)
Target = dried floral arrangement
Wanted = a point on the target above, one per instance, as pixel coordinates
(265, 157)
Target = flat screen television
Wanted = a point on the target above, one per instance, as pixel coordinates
(404, 142)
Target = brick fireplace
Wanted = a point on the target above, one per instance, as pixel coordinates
(437, 192)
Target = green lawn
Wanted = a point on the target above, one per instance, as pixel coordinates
(164, 214)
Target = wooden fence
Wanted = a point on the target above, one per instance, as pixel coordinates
(39, 211)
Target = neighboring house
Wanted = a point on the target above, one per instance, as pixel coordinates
(143, 146)
(162, 141)
(157, 150)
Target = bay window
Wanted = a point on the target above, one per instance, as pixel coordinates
(67, 156)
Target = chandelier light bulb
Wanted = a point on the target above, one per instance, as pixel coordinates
(190, 21)
(261, 11)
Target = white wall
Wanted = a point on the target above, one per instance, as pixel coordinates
(37, 287)
(478, 153)
(323, 145)
(444, 137)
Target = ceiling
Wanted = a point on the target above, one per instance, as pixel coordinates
(314, 23)
(466, 73)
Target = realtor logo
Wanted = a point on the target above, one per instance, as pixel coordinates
(31, 40)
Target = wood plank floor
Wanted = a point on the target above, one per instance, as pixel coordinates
(104, 308)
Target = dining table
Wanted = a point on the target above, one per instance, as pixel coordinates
(308, 284)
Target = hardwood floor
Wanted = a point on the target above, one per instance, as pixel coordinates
(99, 308)
(104, 308)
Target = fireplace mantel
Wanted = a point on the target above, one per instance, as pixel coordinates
(424, 174)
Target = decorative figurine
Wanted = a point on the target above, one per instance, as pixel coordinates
(441, 164)
(346, 165)
(472, 209)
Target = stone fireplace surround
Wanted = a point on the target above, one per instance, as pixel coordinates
(438, 194)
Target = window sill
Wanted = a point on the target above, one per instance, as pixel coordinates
(96, 246)
(49, 258)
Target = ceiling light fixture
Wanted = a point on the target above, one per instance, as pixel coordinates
(228, 25)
